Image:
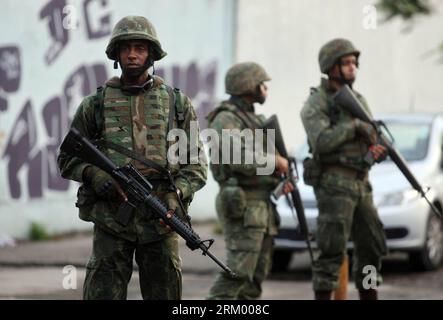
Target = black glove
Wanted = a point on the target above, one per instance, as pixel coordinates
(103, 184)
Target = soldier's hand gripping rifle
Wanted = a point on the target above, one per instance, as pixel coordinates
(347, 99)
(294, 199)
(139, 191)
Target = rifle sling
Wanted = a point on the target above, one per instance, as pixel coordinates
(122, 150)
(130, 154)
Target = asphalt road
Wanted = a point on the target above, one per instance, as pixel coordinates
(399, 283)
(35, 271)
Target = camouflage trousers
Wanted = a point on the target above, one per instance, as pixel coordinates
(110, 266)
(249, 251)
(346, 210)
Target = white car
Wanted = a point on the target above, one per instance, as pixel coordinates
(409, 224)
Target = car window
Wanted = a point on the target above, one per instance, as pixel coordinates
(410, 139)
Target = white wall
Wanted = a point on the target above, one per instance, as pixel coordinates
(285, 36)
(39, 95)
(47, 67)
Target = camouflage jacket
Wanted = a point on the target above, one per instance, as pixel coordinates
(140, 124)
(236, 114)
(331, 133)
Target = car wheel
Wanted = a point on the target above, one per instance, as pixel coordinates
(430, 256)
(280, 260)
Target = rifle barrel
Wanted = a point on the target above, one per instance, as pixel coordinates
(346, 98)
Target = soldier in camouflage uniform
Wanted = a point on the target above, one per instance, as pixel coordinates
(339, 175)
(134, 111)
(247, 215)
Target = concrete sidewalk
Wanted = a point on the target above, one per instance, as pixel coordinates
(76, 249)
(34, 270)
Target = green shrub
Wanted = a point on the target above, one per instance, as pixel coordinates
(38, 232)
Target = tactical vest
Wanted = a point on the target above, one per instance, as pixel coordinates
(351, 153)
(140, 124)
(221, 172)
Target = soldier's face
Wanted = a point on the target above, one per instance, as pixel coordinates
(133, 53)
(262, 93)
(348, 65)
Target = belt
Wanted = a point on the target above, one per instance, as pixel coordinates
(255, 192)
(259, 194)
(252, 193)
(347, 172)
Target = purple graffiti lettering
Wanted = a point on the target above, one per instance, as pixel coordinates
(76, 87)
(3, 104)
(207, 84)
(10, 68)
(82, 82)
(10, 73)
(53, 12)
(100, 73)
(21, 143)
(160, 72)
(35, 175)
(104, 20)
(176, 80)
(196, 82)
(55, 122)
(22, 151)
(192, 84)
(209, 78)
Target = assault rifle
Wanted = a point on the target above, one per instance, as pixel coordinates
(294, 199)
(347, 99)
(139, 191)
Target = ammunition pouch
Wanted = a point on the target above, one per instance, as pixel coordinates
(312, 171)
(233, 199)
(86, 198)
(109, 214)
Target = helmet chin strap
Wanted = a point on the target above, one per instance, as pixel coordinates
(259, 98)
(135, 90)
(137, 72)
(257, 95)
(342, 80)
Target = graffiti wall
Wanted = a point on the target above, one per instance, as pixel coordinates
(52, 55)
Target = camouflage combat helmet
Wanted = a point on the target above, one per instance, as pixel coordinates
(134, 28)
(243, 78)
(332, 51)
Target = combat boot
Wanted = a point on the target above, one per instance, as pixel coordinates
(370, 294)
(323, 295)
